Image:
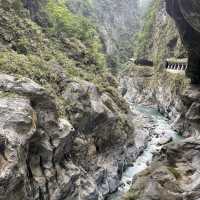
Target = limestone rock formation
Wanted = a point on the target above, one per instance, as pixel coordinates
(103, 133)
(117, 22)
(43, 157)
(134, 84)
(159, 38)
(34, 146)
(173, 94)
(62, 137)
(175, 176)
(186, 15)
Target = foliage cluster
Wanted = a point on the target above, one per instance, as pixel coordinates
(65, 22)
(142, 37)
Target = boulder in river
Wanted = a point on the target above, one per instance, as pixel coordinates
(165, 140)
(175, 176)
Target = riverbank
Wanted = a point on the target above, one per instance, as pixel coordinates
(174, 172)
(156, 131)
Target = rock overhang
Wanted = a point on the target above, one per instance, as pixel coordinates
(187, 17)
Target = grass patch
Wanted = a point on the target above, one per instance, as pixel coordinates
(175, 172)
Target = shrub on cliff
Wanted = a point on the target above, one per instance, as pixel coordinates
(65, 22)
(142, 37)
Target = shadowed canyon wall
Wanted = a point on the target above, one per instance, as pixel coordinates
(187, 17)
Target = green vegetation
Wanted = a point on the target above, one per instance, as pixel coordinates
(8, 94)
(142, 38)
(159, 38)
(73, 26)
(70, 24)
(31, 66)
(28, 49)
(131, 196)
(177, 83)
(175, 172)
(83, 8)
(123, 47)
(69, 46)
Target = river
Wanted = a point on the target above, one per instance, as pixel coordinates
(161, 134)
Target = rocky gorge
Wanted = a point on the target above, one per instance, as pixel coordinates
(174, 173)
(177, 100)
(117, 23)
(65, 130)
(70, 129)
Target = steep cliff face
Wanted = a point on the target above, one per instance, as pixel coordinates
(159, 38)
(173, 94)
(65, 129)
(174, 174)
(117, 22)
(43, 157)
(186, 15)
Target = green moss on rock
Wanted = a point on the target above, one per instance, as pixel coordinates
(175, 172)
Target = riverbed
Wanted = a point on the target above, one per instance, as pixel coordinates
(161, 134)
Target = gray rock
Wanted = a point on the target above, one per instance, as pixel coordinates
(43, 156)
(165, 140)
(35, 147)
(100, 146)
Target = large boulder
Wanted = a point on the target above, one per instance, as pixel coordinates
(104, 133)
(35, 145)
(95, 114)
(174, 177)
(43, 156)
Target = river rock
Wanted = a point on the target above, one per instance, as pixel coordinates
(165, 140)
(174, 177)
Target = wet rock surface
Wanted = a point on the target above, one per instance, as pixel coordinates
(156, 130)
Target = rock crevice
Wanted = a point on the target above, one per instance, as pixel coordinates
(45, 156)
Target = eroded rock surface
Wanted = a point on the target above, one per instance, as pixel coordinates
(174, 176)
(186, 14)
(174, 96)
(104, 133)
(43, 156)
